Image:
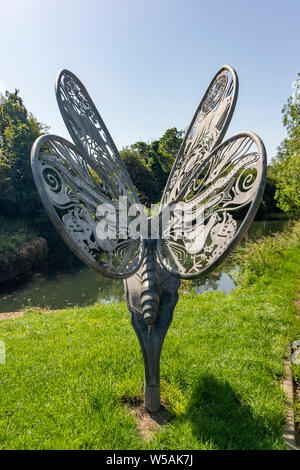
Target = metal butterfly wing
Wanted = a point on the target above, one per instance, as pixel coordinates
(209, 184)
(206, 130)
(75, 180)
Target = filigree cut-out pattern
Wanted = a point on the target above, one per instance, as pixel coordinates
(205, 132)
(89, 132)
(203, 226)
(210, 181)
(74, 191)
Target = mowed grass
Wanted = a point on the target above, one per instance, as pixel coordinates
(68, 373)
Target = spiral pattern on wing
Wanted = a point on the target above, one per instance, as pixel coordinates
(52, 178)
(248, 181)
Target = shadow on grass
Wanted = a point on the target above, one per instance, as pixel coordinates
(218, 415)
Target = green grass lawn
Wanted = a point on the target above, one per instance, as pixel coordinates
(68, 373)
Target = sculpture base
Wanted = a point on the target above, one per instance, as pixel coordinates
(152, 398)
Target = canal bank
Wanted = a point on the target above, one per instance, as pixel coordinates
(22, 251)
(69, 286)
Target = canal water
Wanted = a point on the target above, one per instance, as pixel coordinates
(83, 286)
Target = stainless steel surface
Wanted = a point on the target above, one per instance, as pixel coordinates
(210, 181)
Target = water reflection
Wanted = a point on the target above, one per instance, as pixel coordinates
(220, 280)
(59, 290)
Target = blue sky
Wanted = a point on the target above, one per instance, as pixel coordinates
(146, 63)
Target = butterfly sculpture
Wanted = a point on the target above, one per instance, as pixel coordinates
(211, 182)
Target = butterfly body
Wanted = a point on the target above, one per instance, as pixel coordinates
(150, 290)
(151, 295)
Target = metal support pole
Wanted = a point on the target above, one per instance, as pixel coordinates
(151, 337)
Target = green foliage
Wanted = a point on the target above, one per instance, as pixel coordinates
(19, 199)
(14, 233)
(287, 162)
(144, 178)
(18, 131)
(21, 251)
(68, 373)
(268, 204)
(296, 376)
(256, 258)
(169, 145)
(149, 164)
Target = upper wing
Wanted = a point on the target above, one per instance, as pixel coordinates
(206, 130)
(89, 132)
(203, 226)
(83, 203)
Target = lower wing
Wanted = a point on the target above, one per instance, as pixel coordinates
(84, 206)
(205, 222)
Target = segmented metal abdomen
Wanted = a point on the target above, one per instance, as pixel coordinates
(150, 292)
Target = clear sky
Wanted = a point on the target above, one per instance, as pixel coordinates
(146, 63)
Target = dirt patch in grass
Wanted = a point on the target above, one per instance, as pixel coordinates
(11, 315)
(148, 423)
(8, 315)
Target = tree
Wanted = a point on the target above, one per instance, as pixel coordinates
(149, 164)
(18, 131)
(268, 204)
(141, 175)
(169, 145)
(287, 162)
